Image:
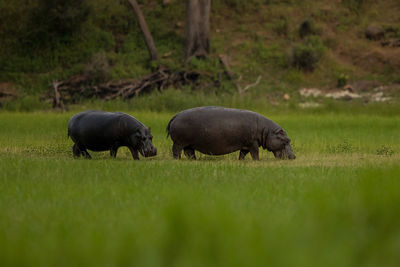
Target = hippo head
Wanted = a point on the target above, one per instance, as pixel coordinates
(278, 142)
(144, 142)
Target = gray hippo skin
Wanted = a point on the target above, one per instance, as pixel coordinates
(101, 131)
(219, 131)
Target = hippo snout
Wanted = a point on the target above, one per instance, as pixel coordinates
(285, 153)
(150, 152)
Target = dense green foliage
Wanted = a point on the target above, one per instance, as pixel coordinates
(44, 40)
(335, 205)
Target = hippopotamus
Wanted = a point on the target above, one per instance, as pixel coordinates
(219, 131)
(102, 131)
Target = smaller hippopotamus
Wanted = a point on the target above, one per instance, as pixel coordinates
(219, 131)
(102, 131)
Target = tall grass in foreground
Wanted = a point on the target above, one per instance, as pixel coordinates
(335, 205)
(109, 213)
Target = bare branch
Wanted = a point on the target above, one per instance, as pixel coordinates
(57, 102)
(252, 85)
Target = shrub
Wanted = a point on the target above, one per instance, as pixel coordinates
(344, 147)
(305, 56)
(306, 28)
(384, 151)
(98, 70)
(354, 5)
(342, 80)
(281, 26)
(54, 21)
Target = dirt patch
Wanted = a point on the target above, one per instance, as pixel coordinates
(373, 58)
(8, 91)
(379, 60)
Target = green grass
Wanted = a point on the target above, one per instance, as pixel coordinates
(335, 205)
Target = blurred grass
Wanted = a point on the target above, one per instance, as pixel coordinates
(335, 205)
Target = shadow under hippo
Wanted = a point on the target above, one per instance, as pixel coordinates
(219, 131)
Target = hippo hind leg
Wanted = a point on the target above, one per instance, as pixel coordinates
(86, 154)
(176, 151)
(243, 154)
(114, 150)
(189, 153)
(76, 151)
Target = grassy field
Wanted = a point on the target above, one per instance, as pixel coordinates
(337, 204)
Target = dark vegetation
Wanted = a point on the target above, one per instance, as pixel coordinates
(288, 43)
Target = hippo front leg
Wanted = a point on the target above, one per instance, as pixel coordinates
(176, 151)
(243, 154)
(254, 153)
(135, 153)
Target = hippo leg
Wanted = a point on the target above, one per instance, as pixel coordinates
(114, 150)
(243, 154)
(134, 152)
(176, 151)
(254, 153)
(76, 151)
(86, 154)
(189, 153)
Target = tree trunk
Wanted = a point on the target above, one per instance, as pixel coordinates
(197, 28)
(143, 26)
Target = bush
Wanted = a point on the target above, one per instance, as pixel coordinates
(281, 26)
(385, 151)
(306, 28)
(354, 5)
(344, 147)
(98, 70)
(54, 21)
(342, 80)
(305, 56)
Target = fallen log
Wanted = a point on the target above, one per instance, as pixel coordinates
(79, 87)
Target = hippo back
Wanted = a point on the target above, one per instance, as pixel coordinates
(216, 130)
(98, 130)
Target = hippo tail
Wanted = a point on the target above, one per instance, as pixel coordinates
(169, 126)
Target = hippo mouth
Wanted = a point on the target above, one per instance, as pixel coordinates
(148, 152)
(285, 153)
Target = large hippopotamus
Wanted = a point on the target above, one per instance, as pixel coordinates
(219, 131)
(101, 131)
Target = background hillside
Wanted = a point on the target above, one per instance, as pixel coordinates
(290, 44)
